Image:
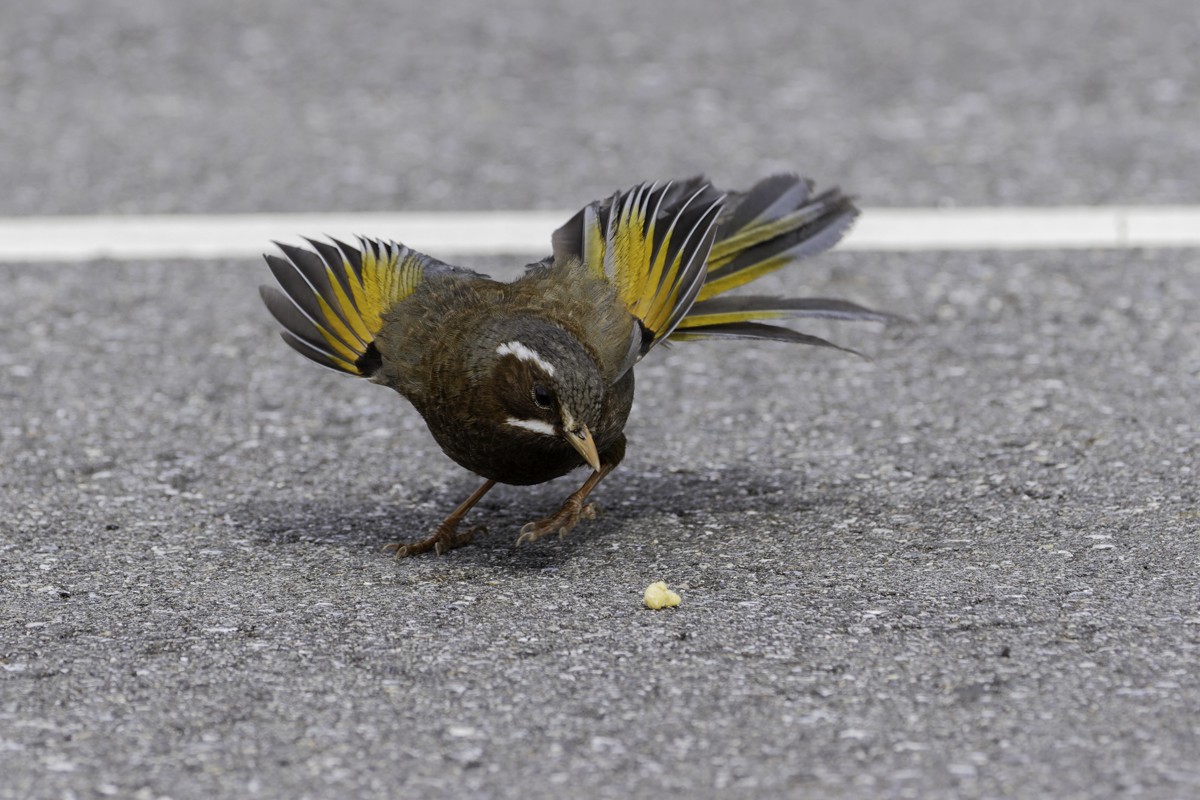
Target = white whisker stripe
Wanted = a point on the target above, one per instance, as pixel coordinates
(535, 425)
(526, 353)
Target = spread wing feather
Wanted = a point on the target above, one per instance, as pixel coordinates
(743, 308)
(755, 330)
(652, 243)
(672, 266)
(775, 224)
(331, 299)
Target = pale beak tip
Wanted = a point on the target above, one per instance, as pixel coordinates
(582, 441)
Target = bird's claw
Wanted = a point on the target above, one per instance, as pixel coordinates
(563, 521)
(443, 539)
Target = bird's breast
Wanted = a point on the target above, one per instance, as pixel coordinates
(508, 454)
(502, 453)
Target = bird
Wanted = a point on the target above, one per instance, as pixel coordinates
(525, 381)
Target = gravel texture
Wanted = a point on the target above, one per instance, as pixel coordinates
(158, 106)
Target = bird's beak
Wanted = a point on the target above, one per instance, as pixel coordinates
(581, 439)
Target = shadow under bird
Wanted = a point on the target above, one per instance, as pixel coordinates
(525, 381)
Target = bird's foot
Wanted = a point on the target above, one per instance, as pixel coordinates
(444, 538)
(561, 522)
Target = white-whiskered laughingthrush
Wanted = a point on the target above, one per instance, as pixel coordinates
(523, 382)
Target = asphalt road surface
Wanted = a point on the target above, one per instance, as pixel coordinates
(966, 567)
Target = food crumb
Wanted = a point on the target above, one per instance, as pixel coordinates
(657, 596)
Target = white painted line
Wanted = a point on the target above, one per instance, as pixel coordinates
(250, 235)
(527, 233)
(1050, 228)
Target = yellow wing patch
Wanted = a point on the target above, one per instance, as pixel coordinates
(652, 244)
(334, 299)
(790, 225)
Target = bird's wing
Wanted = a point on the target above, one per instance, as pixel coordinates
(778, 222)
(754, 330)
(652, 244)
(334, 297)
(741, 317)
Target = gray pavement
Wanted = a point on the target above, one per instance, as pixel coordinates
(967, 567)
(140, 106)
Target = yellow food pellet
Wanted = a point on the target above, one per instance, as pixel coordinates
(657, 596)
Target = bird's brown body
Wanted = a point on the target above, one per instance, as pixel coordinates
(523, 382)
(462, 323)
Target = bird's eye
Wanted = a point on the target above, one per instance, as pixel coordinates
(541, 396)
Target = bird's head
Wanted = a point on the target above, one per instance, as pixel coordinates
(544, 383)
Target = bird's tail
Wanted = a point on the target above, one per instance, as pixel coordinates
(778, 222)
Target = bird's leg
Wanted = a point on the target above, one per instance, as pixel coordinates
(563, 520)
(446, 536)
(573, 510)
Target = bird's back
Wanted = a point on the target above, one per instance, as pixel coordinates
(568, 295)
